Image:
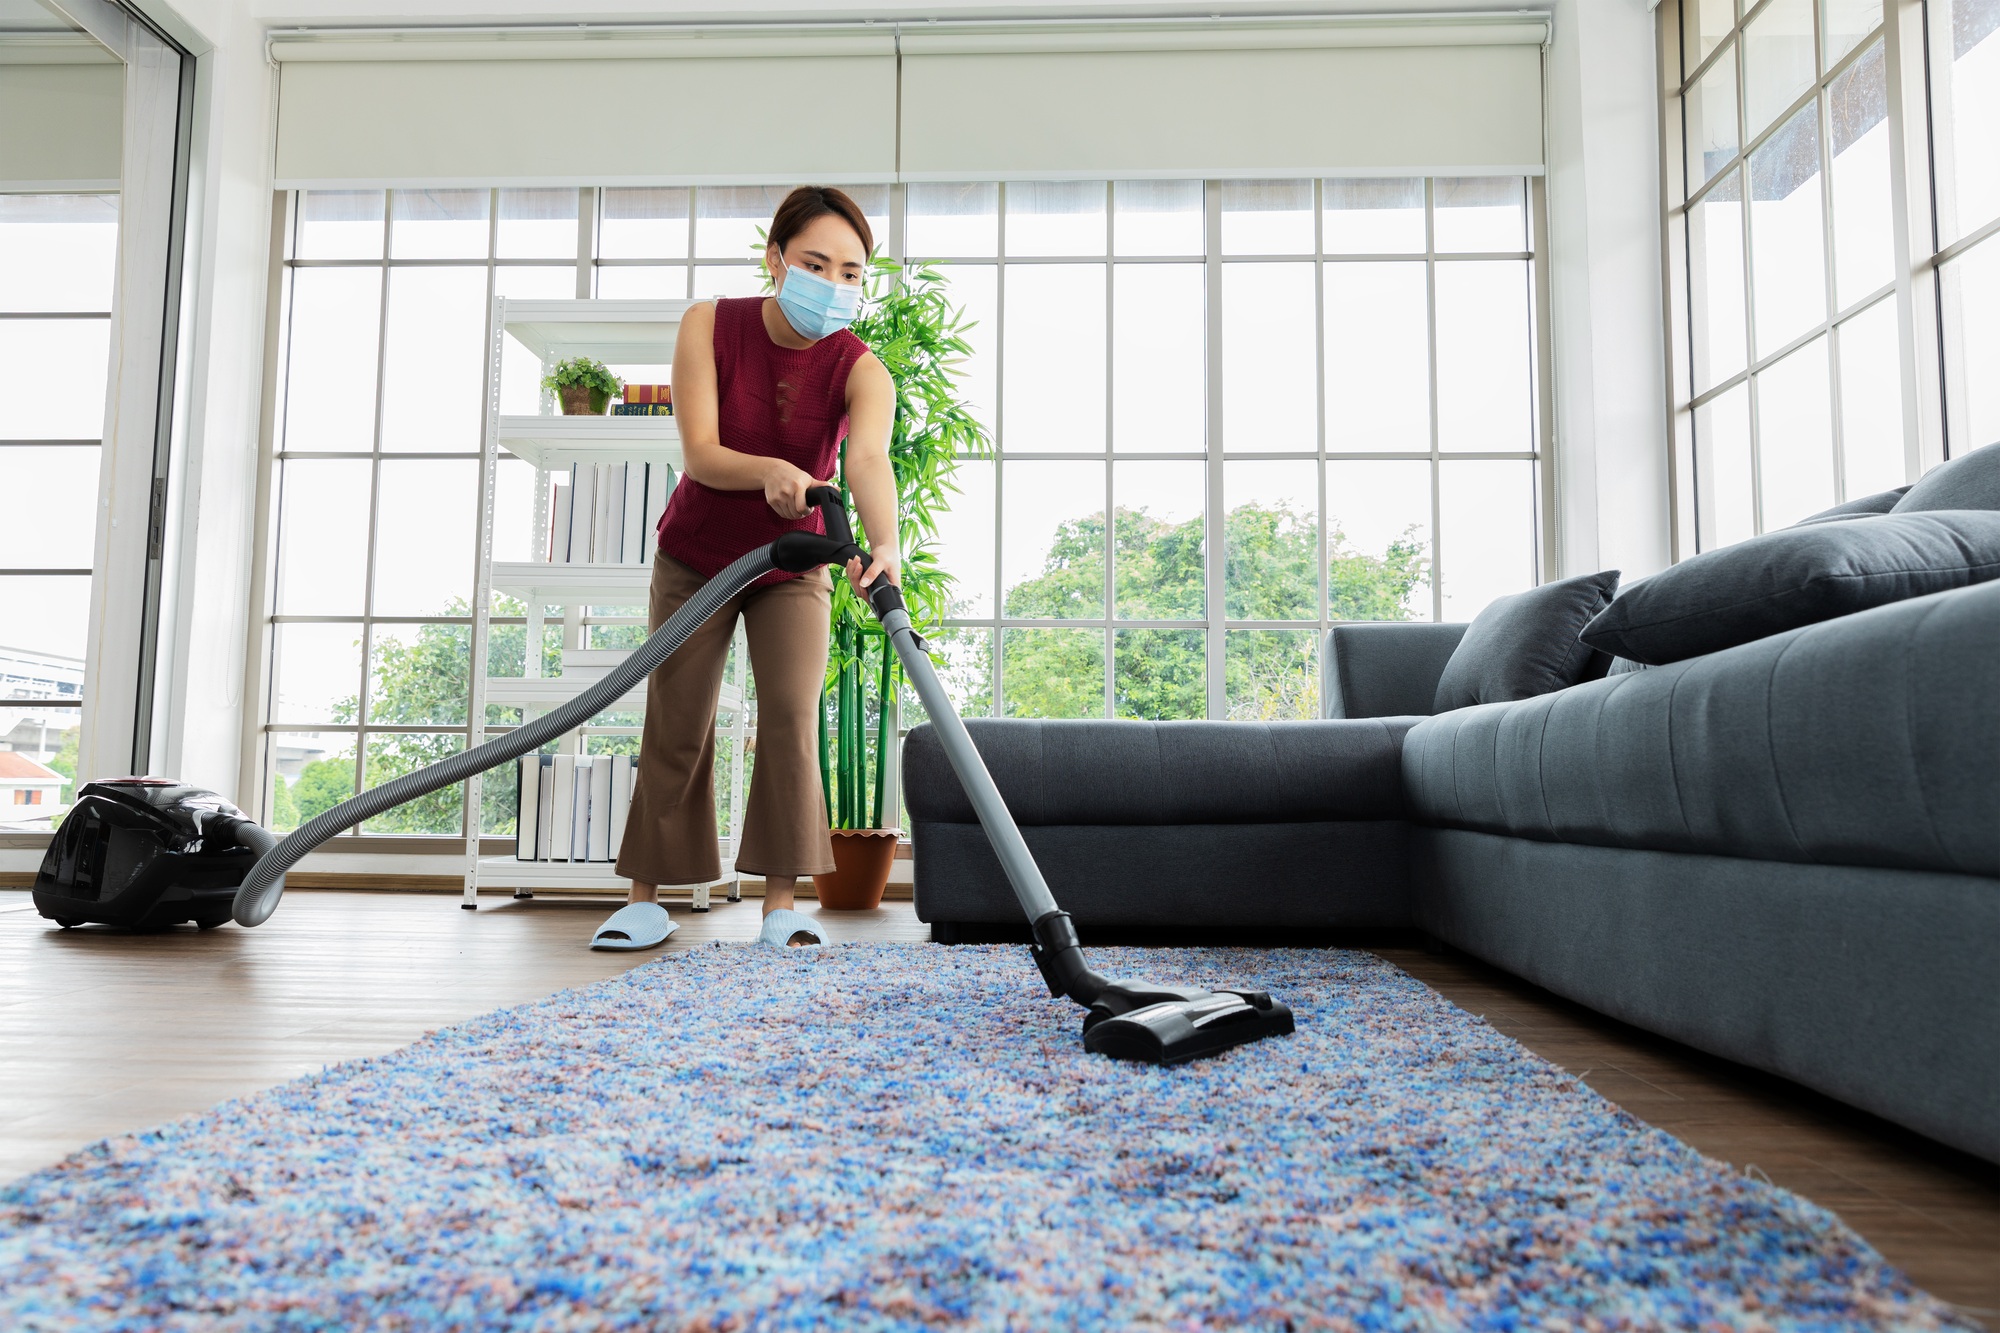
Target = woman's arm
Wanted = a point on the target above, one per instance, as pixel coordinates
(704, 457)
(871, 410)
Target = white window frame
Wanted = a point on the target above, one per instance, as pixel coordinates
(260, 737)
(1917, 258)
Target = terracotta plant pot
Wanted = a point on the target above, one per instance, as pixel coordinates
(580, 400)
(862, 858)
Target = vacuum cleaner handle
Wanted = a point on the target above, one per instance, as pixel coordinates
(833, 513)
(884, 596)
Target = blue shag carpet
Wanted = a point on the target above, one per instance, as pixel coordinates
(903, 1137)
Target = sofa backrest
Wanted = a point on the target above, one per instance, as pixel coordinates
(1390, 669)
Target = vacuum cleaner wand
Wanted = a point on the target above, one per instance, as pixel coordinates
(1128, 1020)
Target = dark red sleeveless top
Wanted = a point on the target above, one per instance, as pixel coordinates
(770, 400)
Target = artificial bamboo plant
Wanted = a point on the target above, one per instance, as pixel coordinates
(914, 330)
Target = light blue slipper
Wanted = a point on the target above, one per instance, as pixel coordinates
(781, 925)
(635, 926)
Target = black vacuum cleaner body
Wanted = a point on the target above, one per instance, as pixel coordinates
(144, 853)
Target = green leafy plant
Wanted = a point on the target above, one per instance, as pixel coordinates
(582, 372)
(1271, 555)
(919, 336)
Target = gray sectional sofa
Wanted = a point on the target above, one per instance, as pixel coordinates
(1786, 853)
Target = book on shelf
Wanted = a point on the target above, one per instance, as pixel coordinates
(608, 513)
(527, 806)
(559, 523)
(582, 511)
(562, 821)
(649, 394)
(598, 816)
(572, 807)
(642, 409)
(632, 529)
(608, 541)
(621, 800)
(579, 811)
(545, 805)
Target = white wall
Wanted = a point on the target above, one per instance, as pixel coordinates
(1612, 502)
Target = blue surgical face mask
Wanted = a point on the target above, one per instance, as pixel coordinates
(816, 306)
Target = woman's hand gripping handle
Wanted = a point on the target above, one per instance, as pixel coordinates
(884, 595)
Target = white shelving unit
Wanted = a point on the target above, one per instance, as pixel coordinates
(618, 332)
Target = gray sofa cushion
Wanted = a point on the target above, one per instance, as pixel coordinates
(1526, 644)
(1879, 503)
(1968, 482)
(1096, 772)
(1793, 577)
(1869, 740)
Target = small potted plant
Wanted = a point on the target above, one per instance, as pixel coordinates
(583, 386)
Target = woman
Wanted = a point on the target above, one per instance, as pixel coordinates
(765, 390)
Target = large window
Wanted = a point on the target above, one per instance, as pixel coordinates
(1827, 258)
(1965, 118)
(58, 257)
(1339, 377)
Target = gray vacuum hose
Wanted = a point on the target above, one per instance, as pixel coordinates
(265, 884)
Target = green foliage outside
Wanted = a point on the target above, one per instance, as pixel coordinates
(1058, 672)
(1272, 554)
(423, 681)
(64, 762)
(582, 372)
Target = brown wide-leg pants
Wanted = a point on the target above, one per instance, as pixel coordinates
(670, 834)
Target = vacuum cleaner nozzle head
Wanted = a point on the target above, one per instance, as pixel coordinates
(1198, 1024)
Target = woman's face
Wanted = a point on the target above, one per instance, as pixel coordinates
(826, 246)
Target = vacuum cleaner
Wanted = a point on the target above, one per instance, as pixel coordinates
(147, 852)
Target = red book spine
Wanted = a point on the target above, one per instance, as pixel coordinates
(649, 393)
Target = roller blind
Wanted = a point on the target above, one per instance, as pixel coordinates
(65, 124)
(658, 113)
(1222, 98)
(1458, 98)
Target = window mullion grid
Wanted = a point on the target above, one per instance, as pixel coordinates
(1547, 529)
(1798, 104)
(1743, 111)
(1965, 243)
(1216, 449)
(1914, 152)
(586, 245)
(999, 439)
(1319, 386)
(1823, 110)
(1431, 339)
(1110, 393)
(1748, 187)
(374, 502)
(479, 639)
(1758, 365)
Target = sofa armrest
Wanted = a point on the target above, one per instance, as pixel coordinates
(1389, 669)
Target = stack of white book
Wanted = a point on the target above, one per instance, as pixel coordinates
(573, 806)
(607, 513)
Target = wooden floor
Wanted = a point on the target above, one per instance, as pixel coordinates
(101, 1033)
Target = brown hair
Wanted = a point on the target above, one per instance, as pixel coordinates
(807, 202)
